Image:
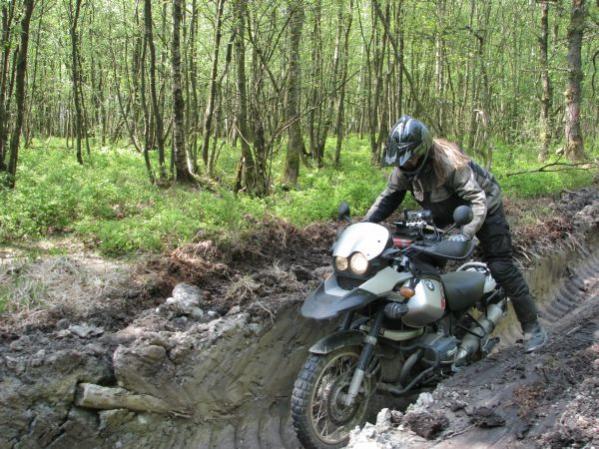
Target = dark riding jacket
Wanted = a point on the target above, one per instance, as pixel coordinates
(469, 185)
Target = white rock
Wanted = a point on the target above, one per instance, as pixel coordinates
(197, 313)
(85, 330)
(187, 292)
(383, 420)
(186, 298)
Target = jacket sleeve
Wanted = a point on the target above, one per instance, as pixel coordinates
(389, 199)
(465, 185)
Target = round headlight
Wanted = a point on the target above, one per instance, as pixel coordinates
(359, 264)
(341, 263)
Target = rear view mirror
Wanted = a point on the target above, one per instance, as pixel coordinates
(344, 213)
(462, 215)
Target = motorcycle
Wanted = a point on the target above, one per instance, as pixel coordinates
(404, 324)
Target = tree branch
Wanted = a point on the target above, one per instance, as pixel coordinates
(556, 167)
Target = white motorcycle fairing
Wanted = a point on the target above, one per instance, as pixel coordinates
(369, 239)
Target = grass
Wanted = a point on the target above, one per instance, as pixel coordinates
(110, 205)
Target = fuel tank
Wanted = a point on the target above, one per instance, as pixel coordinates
(427, 305)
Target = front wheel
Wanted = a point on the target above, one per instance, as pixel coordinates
(320, 418)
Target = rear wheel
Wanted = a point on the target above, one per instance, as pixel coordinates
(320, 418)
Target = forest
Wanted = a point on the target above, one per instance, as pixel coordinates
(178, 267)
(241, 99)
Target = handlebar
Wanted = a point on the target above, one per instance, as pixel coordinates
(418, 223)
(418, 215)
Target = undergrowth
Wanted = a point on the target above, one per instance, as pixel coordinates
(110, 205)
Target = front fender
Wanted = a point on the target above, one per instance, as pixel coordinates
(337, 340)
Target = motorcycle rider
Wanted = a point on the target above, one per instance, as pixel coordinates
(441, 178)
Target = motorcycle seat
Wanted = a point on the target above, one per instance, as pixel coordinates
(463, 288)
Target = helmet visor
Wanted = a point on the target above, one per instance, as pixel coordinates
(400, 153)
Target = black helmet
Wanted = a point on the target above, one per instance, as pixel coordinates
(409, 138)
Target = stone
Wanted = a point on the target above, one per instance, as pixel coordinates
(187, 293)
(113, 419)
(456, 405)
(255, 328)
(62, 324)
(396, 417)
(383, 420)
(85, 330)
(486, 417)
(186, 300)
(196, 313)
(426, 424)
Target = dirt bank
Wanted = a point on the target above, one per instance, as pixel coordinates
(211, 365)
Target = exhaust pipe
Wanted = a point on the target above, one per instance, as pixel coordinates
(470, 344)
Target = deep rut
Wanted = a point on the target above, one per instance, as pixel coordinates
(235, 381)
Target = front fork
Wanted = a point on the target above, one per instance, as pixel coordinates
(370, 342)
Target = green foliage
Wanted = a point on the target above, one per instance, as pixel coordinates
(523, 157)
(110, 204)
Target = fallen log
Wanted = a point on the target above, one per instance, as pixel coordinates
(108, 398)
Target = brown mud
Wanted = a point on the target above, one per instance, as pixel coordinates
(213, 365)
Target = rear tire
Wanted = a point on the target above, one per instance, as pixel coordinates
(320, 419)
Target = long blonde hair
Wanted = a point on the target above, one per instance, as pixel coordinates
(446, 156)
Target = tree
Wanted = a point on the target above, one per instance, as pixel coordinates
(545, 133)
(7, 21)
(246, 175)
(295, 144)
(21, 69)
(573, 94)
(182, 169)
(149, 38)
(74, 13)
(208, 116)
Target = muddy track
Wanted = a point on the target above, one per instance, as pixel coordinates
(178, 378)
(226, 376)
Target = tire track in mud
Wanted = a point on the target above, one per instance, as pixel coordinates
(569, 294)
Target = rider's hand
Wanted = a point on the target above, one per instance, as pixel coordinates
(459, 238)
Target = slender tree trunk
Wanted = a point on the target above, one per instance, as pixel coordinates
(20, 92)
(74, 12)
(28, 126)
(213, 82)
(147, 117)
(149, 38)
(545, 128)
(574, 142)
(439, 66)
(295, 145)
(7, 18)
(344, 70)
(316, 82)
(246, 173)
(181, 166)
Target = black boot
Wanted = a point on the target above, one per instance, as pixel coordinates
(535, 336)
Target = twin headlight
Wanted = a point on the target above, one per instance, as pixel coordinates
(357, 263)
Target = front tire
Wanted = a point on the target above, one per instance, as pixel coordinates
(320, 419)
